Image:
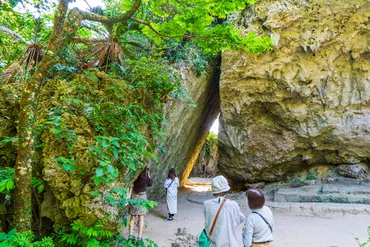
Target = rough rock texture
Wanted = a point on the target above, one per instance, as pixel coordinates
(184, 239)
(305, 103)
(187, 127)
(206, 164)
(9, 110)
(68, 195)
(354, 171)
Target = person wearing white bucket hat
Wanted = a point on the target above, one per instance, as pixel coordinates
(225, 213)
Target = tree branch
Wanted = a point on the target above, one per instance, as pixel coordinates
(14, 34)
(59, 19)
(88, 4)
(107, 20)
(148, 24)
(94, 28)
(88, 41)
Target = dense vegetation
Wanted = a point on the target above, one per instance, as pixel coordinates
(90, 87)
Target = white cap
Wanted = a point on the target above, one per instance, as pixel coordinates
(219, 185)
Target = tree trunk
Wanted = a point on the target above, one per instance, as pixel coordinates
(23, 168)
(26, 125)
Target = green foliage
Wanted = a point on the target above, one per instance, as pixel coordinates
(210, 143)
(33, 30)
(311, 176)
(7, 139)
(364, 244)
(23, 239)
(144, 204)
(38, 184)
(188, 53)
(201, 21)
(60, 128)
(118, 110)
(66, 164)
(334, 172)
(81, 235)
(6, 180)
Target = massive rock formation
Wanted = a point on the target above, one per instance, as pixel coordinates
(187, 127)
(305, 103)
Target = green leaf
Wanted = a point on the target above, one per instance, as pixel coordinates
(68, 167)
(10, 185)
(105, 144)
(94, 193)
(115, 153)
(3, 236)
(57, 129)
(40, 188)
(110, 169)
(99, 172)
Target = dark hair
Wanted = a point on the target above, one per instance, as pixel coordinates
(172, 173)
(256, 199)
(220, 194)
(143, 172)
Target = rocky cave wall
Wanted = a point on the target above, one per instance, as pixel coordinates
(187, 127)
(305, 103)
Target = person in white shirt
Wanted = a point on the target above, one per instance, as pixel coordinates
(171, 184)
(230, 216)
(259, 224)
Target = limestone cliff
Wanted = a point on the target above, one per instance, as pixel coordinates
(187, 127)
(305, 103)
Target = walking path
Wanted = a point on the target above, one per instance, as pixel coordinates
(331, 228)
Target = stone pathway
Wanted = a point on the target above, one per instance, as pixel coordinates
(339, 196)
(297, 224)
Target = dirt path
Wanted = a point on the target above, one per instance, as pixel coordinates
(291, 231)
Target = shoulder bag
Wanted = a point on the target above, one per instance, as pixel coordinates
(170, 184)
(264, 220)
(204, 240)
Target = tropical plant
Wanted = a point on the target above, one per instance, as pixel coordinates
(6, 180)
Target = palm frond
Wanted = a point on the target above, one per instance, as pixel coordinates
(11, 72)
(105, 53)
(29, 58)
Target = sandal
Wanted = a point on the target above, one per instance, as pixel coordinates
(169, 219)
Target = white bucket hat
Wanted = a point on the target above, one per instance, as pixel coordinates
(219, 185)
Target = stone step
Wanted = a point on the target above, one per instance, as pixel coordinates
(318, 209)
(347, 181)
(325, 193)
(342, 189)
